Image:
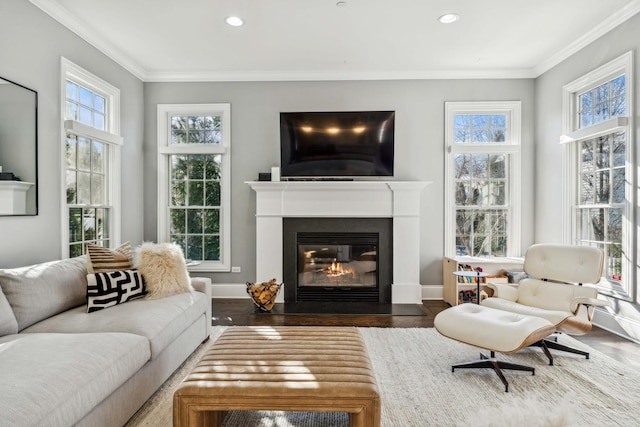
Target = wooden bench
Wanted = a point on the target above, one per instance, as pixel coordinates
(290, 368)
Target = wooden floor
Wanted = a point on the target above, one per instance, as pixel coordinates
(241, 312)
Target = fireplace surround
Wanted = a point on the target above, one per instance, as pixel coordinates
(399, 201)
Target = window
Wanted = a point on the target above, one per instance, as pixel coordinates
(597, 155)
(482, 181)
(91, 161)
(194, 182)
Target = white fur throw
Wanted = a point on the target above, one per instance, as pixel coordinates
(528, 411)
(164, 269)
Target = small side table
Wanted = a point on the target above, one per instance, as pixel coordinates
(477, 275)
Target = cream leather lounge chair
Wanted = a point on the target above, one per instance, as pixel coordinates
(559, 289)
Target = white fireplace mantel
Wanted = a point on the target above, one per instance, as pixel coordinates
(400, 200)
(13, 197)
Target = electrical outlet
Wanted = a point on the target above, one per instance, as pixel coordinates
(236, 269)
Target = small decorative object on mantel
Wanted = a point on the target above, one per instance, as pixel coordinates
(8, 176)
(264, 294)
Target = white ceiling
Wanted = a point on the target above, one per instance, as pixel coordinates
(188, 40)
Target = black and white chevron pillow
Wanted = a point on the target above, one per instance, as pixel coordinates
(113, 287)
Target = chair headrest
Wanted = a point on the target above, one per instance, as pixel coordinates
(565, 263)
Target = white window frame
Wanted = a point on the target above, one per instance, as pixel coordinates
(110, 136)
(165, 149)
(572, 136)
(512, 146)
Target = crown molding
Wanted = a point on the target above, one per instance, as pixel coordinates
(77, 26)
(334, 75)
(619, 17)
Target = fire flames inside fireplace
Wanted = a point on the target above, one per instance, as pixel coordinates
(338, 265)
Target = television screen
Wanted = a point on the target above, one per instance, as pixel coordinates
(336, 144)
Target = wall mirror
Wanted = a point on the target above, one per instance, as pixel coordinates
(18, 149)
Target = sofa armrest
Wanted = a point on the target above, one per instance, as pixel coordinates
(504, 291)
(203, 284)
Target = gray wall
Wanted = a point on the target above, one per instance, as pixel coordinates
(419, 149)
(548, 113)
(31, 44)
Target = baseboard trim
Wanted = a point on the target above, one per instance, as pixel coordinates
(229, 290)
(432, 292)
(618, 325)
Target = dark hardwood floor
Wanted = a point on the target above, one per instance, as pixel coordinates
(241, 312)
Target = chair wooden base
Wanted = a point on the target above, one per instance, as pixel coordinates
(496, 365)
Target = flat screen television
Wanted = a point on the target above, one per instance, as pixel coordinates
(339, 144)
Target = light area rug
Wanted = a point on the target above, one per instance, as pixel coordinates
(417, 388)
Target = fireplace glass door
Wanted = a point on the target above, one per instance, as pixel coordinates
(337, 262)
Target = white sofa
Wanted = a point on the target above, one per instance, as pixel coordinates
(62, 366)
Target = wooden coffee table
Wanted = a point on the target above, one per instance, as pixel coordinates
(289, 368)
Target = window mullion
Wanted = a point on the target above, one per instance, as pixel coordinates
(76, 128)
(484, 148)
(192, 149)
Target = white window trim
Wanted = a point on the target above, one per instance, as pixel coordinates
(513, 146)
(572, 135)
(165, 149)
(69, 70)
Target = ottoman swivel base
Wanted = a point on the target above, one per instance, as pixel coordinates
(494, 330)
(496, 365)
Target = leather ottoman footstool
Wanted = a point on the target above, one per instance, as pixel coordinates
(289, 368)
(495, 330)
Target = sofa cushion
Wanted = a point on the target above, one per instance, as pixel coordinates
(101, 259)
(164, 269)
(55, 379)
(160, 320)
(553, 316)
(42, 290)
(8, 322)
(111, 288)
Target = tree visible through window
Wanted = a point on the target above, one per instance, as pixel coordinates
(601, 170)
(481, 204)
(195, 205)
(194, 177)
(598, 153)
(483, 147)
(86, 193)
(91, 157)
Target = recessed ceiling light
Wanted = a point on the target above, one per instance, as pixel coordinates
(234, 21)
(341, 3)
(449, 18)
